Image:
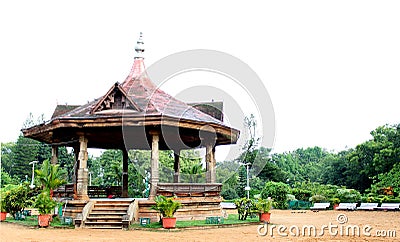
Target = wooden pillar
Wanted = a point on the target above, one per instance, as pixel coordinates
(125, 175)
(54, 154)
(177, 166)
(211, 176)
(75, 172)
(82, 181)
(154, 164)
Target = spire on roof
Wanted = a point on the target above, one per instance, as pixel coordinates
(138, 68)
(139, 48)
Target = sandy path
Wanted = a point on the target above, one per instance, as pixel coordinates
(385, 221)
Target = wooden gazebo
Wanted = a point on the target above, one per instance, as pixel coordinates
(134, 114)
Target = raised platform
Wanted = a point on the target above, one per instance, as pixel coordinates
(193, 208)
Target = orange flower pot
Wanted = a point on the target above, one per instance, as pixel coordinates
(44, 220)
(3, 216)
(265, 217)
(169, 223)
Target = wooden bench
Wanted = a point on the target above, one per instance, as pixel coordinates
(320, 206)
(346, 206)
(368, 206)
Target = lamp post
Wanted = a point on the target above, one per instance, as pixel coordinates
(247, 188)
(33, 173)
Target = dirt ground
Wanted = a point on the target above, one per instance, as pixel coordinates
(375, 223)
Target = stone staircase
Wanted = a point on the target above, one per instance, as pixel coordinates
(107, 214)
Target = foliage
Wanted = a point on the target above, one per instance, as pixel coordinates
(15, 198)
(264, 205)
(348, 195)
(335, 200)
(375, 156)
(242, 182)
(278, 192)
(166, 206)
(387, 180)
(302, 164)
(191, 167)
(44, 203)
(7, 179)
(301, 194)
(50, 176)
(318, 199)
(245, 207)
(228, 193)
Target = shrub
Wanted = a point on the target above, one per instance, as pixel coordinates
(348, 195)
(278, 192)
(301, 194)
(318, 199)
(15, 199)
(245, 207)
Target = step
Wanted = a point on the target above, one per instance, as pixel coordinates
(104, 227)
(114, 223)
(109, 209)
(104, 217)
(108, 213)
(111, 204)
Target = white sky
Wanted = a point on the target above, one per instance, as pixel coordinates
(332, 68)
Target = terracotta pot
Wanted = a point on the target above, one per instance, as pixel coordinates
(168, 223)
(265, 217)
(44, 220)
(3, 216)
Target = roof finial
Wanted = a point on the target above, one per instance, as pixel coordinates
(139, 48)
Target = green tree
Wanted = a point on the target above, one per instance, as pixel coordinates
(278, 191)
(24, 151)
(6, 156)
(191, 167)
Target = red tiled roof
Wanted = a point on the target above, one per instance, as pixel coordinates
(151, 100)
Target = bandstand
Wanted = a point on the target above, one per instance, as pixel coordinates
(135, 114)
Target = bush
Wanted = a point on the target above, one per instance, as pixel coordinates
(278, 192)
(15, 199)
(301, 194)
(348, 195)
(318, 199)
(245, 207)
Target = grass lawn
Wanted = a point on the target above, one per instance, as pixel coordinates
(232, 219)
(32, 221)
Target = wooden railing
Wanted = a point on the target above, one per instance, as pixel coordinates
(189, 189)
(102, 191)
(67, 191)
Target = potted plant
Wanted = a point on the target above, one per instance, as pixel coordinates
(264, 206)
(45, 205)
(335, 201)
(167, 207)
